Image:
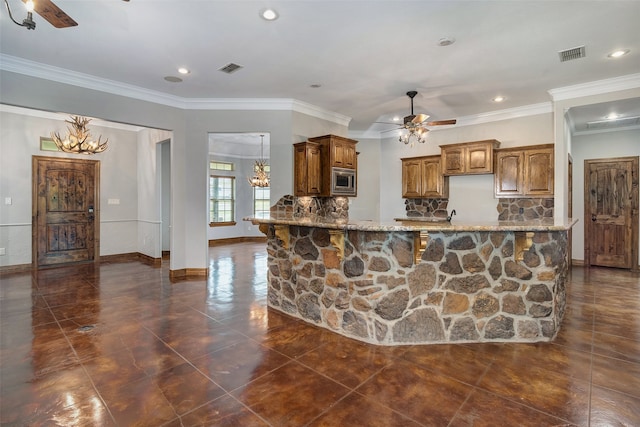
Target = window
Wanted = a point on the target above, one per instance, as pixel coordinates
(221, 200)
(261, 202)
(221, 166)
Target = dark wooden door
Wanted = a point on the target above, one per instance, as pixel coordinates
(611, 212)
(65, 210)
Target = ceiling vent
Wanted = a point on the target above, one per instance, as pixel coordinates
(571, 54)
(230, 68)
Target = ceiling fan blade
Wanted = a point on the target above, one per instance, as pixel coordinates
(52, 13)
(390, 130)
(420, 118)
(441, 122)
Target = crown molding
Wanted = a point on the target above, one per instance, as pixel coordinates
(598, 87)
(34, 69)
(42, 114)
(506, 114)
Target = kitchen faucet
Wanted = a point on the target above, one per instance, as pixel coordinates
(453, 212)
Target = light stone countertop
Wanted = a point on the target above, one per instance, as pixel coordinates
(419, 224)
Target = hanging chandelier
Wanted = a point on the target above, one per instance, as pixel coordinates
(78, 139)
(260, 177)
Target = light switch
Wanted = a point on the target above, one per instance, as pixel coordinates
(7, 200)
(113, 201)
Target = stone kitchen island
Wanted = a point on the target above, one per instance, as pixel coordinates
(420, 282)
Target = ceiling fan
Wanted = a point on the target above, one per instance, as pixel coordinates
(416, 124)
(48, 10)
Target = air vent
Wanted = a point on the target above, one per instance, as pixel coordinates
(608, 124)
(230, 68)
(571, 54)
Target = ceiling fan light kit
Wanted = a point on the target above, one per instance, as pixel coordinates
(416, 125)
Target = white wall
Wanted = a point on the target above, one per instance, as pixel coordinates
(471, 196)
(367, 205)
(20, 140)
(589, 147)
(149, 201)
(165, 192)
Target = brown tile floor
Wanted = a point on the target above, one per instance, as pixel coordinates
(209, 352)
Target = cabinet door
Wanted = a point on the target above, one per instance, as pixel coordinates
(411, 179)
(433, 183)
(300, 170)
(306, 175)
(479, 159)
(314, 176)
(453, 160)
(350, 156)
(539, 172)
(509, 176)
(344, 155)
(338, 154)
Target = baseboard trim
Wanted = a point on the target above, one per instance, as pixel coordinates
(188, 273)
(577, 262)
(18, 268)
(132, 256)
(232, 240)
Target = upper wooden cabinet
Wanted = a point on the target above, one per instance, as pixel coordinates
(468, 158)
(422, 178)
(337, 151)
(314, 161)
(524, 171)
(307, 175)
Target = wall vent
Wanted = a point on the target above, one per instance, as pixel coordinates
(230, 68)
(571, 54)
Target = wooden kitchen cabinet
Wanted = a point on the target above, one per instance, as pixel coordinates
(422, 178)
(468, 158)
(307, 176)
(524, 171)
(337, 151)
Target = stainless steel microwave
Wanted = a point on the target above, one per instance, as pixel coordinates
(343, 182)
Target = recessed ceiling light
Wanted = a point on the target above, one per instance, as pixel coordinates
(618, 53)
(315, 85)
(612, 116)
(269, 14)
(498, 98)
(183, 70)
(396, 119)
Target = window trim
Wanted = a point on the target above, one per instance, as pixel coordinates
(233, 199)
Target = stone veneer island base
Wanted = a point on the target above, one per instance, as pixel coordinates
(419, 282)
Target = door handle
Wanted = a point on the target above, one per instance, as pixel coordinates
(593, 217)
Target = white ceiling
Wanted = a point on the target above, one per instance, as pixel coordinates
(365, 55)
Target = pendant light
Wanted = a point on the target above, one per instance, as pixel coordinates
(260, 177)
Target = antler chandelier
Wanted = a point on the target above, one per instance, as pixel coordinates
(78, 139)
(260, 177)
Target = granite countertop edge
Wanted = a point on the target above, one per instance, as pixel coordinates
(413, 224)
